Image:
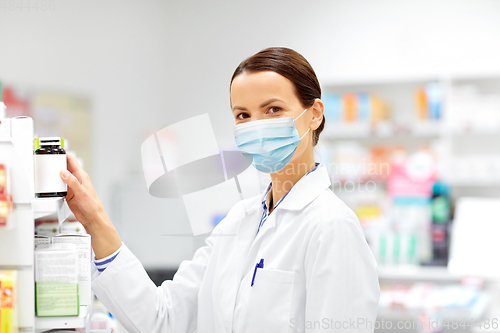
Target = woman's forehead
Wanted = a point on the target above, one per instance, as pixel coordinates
(255, 87)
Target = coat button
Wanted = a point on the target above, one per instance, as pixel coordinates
(226, 326)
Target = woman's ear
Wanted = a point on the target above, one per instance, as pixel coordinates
(317, 109)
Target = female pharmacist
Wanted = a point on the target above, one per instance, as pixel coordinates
(298, 260)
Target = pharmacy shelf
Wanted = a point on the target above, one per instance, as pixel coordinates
(360, 131)
(417, 273)
(48, 323)
(474, 183)
(475, 312)
(417, 130)
(426, 128)
(402, 78)
(474, 132)
(350, 81)
(51, 208)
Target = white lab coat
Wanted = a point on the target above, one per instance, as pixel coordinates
(319, 274)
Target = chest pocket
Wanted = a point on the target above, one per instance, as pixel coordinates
(269, 302)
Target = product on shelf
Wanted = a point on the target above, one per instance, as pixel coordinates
(434, 93)
(50, 160)
(364, 107)
(56, 280)
(429, 102)
(380, 110)
(354, 108)
(8, 309)
(396, 248)
(380, 166)
(390, 191)
(84, 259)
(473, 111)
(405, 237)
(3, 179)
(422, 107)
(333, 107)
(350, 108)
(6, 208)
(41, 240)
(413, 176)
(440, 222)
(46, 227)
(429, 296)
(17, 105)
(350, 161)
(6, 205)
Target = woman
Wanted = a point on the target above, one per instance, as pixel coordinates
(292, 259)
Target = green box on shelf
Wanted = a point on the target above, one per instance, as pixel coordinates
(56, 299)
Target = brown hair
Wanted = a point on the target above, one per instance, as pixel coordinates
(294, 67)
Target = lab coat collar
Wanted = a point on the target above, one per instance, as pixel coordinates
(306, 189)
(267, 196)
(301, 194)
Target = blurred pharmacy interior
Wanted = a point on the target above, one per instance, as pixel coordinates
(412, 137)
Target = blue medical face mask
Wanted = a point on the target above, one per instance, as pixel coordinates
(269, 143)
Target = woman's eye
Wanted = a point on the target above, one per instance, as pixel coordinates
(274, 109)
(242, 115)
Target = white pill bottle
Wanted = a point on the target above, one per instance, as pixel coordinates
(49, 160)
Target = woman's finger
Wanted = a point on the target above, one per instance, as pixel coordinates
(75, 168)
(71, 181)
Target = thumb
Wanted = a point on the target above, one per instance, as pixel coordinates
(70, 180)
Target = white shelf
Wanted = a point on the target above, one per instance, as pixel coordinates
(402, 78)
(427, 128)
(472, 130)
(347, 130)
(48, 323)
(357, 131)
(415, 273)
(51, 208)
(474, 183)
(415, 130)
(339, 81)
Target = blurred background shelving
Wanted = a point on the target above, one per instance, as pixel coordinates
(426, 132)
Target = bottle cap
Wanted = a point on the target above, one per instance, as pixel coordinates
(50, 141)
(440, 189)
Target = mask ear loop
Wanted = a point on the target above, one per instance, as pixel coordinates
(300, 115)
(305, 134)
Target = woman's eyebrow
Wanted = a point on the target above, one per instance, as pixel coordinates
(271, 101)
(239, 108)
(262, 105)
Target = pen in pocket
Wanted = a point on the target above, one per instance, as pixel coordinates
(258, 265)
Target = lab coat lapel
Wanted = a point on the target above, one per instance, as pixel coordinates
(306, 189)
(247, 234)
(243, 228)
(301, 194)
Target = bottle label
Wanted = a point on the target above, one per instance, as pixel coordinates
(440, 210)
(47, 169)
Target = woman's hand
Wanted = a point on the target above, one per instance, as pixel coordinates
(83, 201)
(82, 198)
